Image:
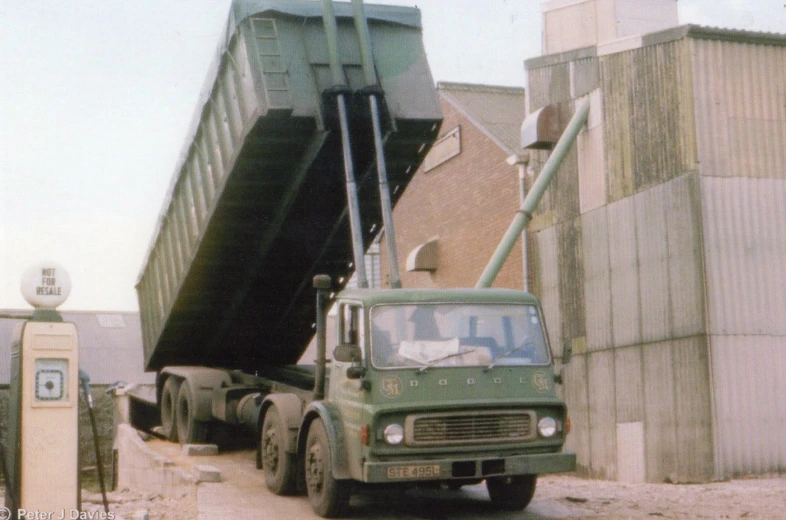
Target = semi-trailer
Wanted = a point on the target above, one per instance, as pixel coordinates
(313, 120)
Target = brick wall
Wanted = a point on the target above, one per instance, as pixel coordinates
(468, 202)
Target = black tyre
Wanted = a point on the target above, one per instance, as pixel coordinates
(168, 405)
(189, 430)
(329, 497)
(511, 493)
(278, 465)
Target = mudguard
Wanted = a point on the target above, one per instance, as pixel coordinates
(289, 407)
(331, 418)
(202, 381)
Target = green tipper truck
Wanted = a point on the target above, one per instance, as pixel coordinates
(445, 385)
(313, 120)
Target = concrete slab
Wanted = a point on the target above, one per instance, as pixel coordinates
(199, 450)
(206, 473)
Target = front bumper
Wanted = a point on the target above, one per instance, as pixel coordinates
(467, 468)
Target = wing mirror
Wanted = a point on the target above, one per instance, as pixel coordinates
(347, 353)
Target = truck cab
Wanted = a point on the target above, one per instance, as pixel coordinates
(446, 386)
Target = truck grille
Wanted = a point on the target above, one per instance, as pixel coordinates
(469, 427)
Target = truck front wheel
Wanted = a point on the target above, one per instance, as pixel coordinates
(329, 497)
(168, 404)
(511, 493)
(278, 465)
(189, 430)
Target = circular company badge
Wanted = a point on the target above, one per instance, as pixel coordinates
(46, 285)
(391, 386)
(540, 381)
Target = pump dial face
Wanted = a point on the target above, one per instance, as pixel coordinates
(50, 379)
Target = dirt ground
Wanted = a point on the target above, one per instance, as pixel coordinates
(130, 505)
(750, 498)
(761, 498)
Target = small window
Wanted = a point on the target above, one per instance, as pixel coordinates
(111, 321)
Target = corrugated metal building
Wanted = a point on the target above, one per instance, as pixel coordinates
(660, 250)
(110, 346)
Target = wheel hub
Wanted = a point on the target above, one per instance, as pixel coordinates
(315, 469)
(270, 450)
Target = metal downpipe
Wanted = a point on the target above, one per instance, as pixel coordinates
(524, 215)
(370, 77)
(331, 32)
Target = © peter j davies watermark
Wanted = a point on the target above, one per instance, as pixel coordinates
(63, 514)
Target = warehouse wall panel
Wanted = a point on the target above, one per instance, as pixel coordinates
(750, 416)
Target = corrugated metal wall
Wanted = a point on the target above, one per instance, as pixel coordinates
(741, 122)
(740, 109)
(648, 116)
(666, 269)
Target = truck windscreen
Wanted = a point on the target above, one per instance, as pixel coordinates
(457, 335)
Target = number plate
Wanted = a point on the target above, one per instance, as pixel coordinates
(421, 471)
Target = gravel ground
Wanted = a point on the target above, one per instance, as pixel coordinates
(761, 498)
(750, 498)
(129, 505)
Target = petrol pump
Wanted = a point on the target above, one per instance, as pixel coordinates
(41, 458)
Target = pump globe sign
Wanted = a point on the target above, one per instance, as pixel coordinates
(46, 285)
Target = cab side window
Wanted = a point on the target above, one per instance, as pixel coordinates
(351, 324)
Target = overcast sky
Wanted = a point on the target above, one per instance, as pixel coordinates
(97, 95)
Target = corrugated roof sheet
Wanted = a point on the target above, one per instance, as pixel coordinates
(696, 32)
(110, 346)
(496, 111)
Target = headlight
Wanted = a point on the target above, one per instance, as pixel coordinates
(547, 427)
(394, 434)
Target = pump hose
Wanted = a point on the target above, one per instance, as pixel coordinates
(84, 380)
(99, 464)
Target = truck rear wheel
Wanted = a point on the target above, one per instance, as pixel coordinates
(168, 404)
(189, 430)
(329, 497)
(511, 493)
(278, 465)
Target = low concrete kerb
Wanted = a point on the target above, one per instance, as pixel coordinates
(207, 473)
(200, 450)
(142, 469)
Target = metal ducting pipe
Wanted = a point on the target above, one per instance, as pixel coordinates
(524, 215)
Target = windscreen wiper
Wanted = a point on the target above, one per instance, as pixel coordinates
(443, 358)
(525, 346)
